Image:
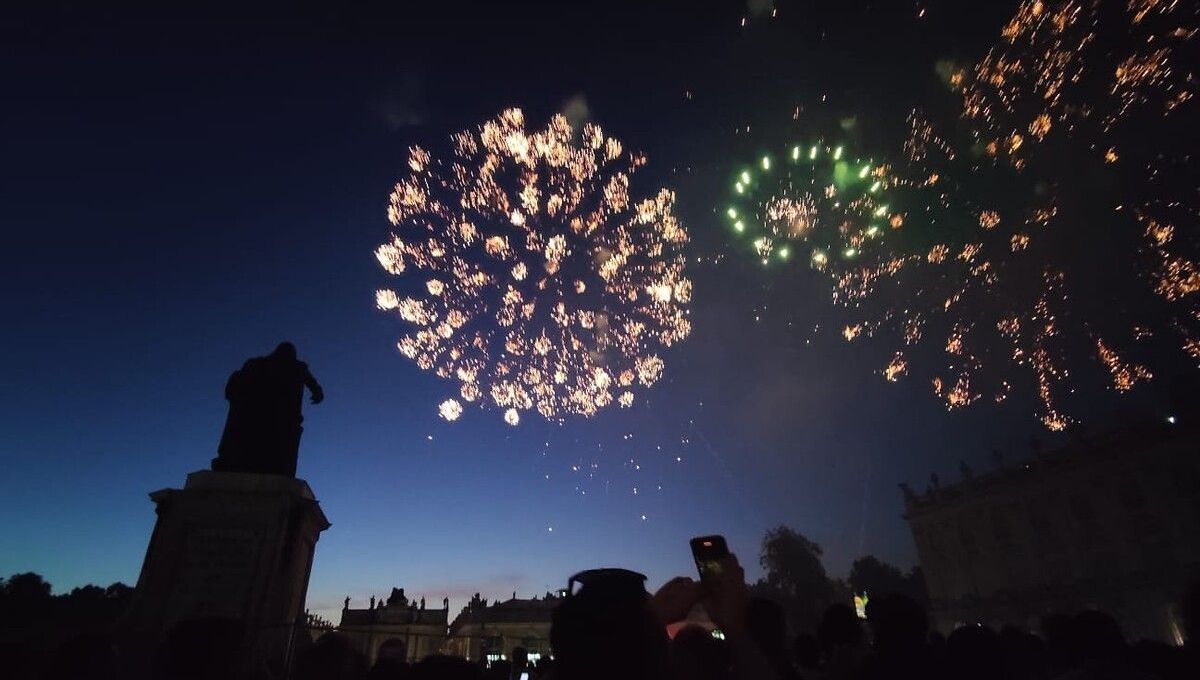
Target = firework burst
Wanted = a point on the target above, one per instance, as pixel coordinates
(536, 280)
(1051, 228)
(815, 199)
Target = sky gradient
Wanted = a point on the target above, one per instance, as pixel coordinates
(182, 190)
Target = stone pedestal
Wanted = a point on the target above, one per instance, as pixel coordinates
(226, 572)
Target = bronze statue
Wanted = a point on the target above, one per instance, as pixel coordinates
(262, 430)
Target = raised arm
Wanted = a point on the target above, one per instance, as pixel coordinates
(318, 395)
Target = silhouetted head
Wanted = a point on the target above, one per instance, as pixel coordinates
(695, 653)
(839, 627)
(974, 651)
(898, 622)
(1022, 651)
(441, 667)
(520, 657)
(332, 656)
(1056, 631)
(607, 629)
(1097, 635)
(285, 350)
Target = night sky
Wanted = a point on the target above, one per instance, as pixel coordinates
(182, 189)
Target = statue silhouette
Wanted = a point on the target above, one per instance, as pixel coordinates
(262, 430)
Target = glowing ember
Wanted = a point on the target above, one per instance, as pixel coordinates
(450, 410)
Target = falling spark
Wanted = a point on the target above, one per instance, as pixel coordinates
(896, 368)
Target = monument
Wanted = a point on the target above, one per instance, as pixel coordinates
(226, 572)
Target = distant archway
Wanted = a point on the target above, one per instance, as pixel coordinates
(393, 648)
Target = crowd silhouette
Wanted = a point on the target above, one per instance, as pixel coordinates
(611, 630)
(611, 627)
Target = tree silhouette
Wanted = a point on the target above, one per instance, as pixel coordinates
(795, 577)
(27, 588)
(871, 575)
(32, 617)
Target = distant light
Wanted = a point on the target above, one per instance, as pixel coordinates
(850, 252)
(766, 162)
(863, 173)
(783, 253)
(740, 188)
(837, 154)
(812, 153)
(872, 230)
(875, 186)
(819, 257)
(745, 177)
(881, 211)
(860, 605)
(739, 227)
(1171, 420)
(795, 152)
(732, 213)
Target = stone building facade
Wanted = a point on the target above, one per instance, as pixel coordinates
(1109, 523)
(482, 632)
(397, 626)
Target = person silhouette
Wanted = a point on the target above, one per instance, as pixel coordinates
(262, 430)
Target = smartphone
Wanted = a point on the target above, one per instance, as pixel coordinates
(708, 551)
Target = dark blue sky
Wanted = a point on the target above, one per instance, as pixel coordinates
(182, 189)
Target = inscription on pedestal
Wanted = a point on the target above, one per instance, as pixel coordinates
(216, 572)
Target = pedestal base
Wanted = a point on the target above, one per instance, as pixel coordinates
(226, 572)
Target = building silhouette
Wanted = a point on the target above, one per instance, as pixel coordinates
(1109, 523)
(481, 631)
(491, 632)
(398, 623)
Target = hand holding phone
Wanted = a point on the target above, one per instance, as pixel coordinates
(710, 552)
